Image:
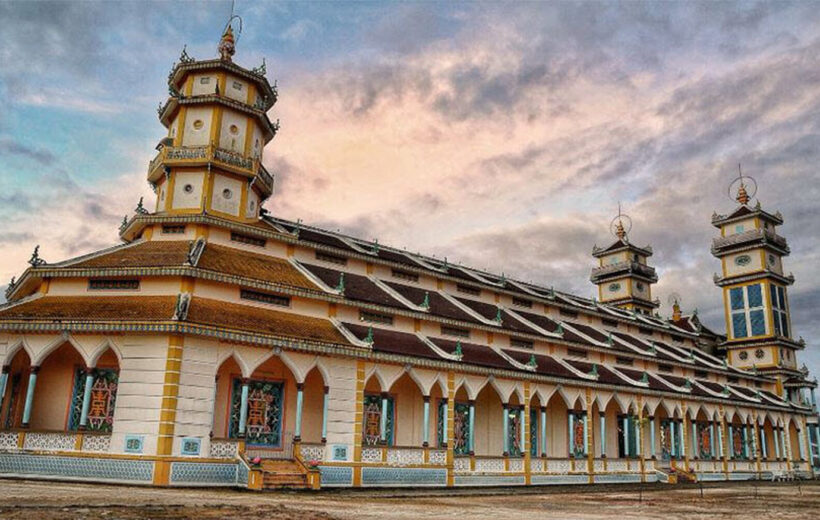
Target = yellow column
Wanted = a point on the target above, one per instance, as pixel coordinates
(357, 426)
(590, 437)
(168, 412)
(526, 434)
(451, 412)
(684, 445)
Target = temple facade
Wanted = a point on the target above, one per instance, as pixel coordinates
(219, 345)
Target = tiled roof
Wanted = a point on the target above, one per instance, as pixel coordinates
(540, 320)
(92, 308)
(439, 306)
(393, 342)
(357, 287)
(239, 262)
(490, 312)
(235, 316)
(474, 354)
(153, 253)
(545, 365)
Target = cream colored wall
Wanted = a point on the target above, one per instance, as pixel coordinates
(640, 289)
(195, 405)
(341, 402)
(233, 140)
(79, 287)
(139, 395)
(774, 262)
(615, 258)
(203, 84)
(257, 143)
(489, 423)
(313, 397)
(188, 199)
(219, 200)
(236, 88)
(557, 428)
(732, 229)
(732, 269)
(621, 292)
(252, 209)
(409, 413)
(52, 394)
(193, 136)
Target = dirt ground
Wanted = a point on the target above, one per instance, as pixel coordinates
(51, 501)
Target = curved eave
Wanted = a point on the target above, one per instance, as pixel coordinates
(134, 228)
(721, 220)
(722, 281)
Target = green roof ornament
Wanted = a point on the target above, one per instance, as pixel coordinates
(726, 390)
(725, 363)
(124, 223)
(298, 228)
(376, 246)
(532, 363)
(754, 369)
(652, 348)
(140, 209)
(687, 385)
(498, 315)
(560, 329)
(692, 355)
(426, 302)
(341, 286)
(503, 278)
(609, 340)
(551, 293)
(645, 378)
(594, 371)
(35, 260)
(458, 352)
(369, 337)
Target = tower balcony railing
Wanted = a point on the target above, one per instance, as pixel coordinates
(210, 154)
(632, 267)
(753, 235)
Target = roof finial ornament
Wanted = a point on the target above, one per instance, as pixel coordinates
(743, 196)
(618, 229)
(35, 259)
(227, 44)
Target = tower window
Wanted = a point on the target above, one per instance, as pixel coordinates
(234, 129)
(739, 228)
(779, 311)
(743, 260)
(614, 287)
(227, 194)
(198, 124)
(204, 81)
(747, 311)
(188, 188)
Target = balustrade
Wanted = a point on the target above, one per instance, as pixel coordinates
(224, 448)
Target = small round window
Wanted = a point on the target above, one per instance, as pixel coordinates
(614, 287)
(743, 260)
(188, 188)
(759, 353)
(227, 194)
(743, 355)
(233, 129)
(198, 124)
(639, 285)
(771, 259)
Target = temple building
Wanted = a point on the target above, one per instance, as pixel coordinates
(219, 345)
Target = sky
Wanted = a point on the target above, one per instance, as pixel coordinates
(500, 135)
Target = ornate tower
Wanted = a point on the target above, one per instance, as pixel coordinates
(623, 276)
(755, 299)
(211, 160)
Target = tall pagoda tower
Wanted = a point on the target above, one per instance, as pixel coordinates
(210, 163)
(758, 328)
(624, 278)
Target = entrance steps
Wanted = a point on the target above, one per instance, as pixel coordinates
(670, 475)
(283, 474)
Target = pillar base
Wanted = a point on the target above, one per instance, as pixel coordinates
(425, 444)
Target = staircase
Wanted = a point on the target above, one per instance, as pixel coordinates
(669, 475)
(283, 474)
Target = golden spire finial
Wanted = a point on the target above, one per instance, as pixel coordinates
(620, 232)
(227, 44)
(742, 195)
(676, 312)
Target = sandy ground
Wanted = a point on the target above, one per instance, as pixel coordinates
(43, 500)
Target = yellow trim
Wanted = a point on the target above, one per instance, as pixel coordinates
(291, 250)
(216, 126)
(45, 286)
(243, 200)
(169, 194)
(451, 413)
(208, 193)
(331, 310)
(248, 136)
(181, 118)
(148, 233)
(357, 425)
(170, 391)
(251, 94)
(202, 232)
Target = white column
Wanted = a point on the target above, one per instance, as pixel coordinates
(32, 382)
(425, 432)
(712, 439)
(471, 431)
(801, 444)
(243, 408)
(383, 419)
(672, 441)
(506, 429)
(89, 382)
(543, 431)
(4, 378)
(522, 431)
(720, 440)
(586, 434)
(571, 442)
(652, 436)
(602, 421)
(764, 450)
(325, 404)
(625, 422)
(300, 398)
(776, 439)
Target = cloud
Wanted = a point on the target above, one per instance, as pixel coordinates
(300, 30)
(10, 146)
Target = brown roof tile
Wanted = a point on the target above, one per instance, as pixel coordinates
(357, 287)
(236, 316)
(239, 262)
(474, 354)
(439, 306)
(154, 253)
(93, 308)
(393, 342)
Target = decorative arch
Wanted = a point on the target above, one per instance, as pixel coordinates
(54, 345)
(99, 350)
(20, 344)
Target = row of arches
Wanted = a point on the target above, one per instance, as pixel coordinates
(275, 398)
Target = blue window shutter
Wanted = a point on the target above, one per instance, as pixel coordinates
(739, 325)
(758, 323)
(755, 296)
(736, 298)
